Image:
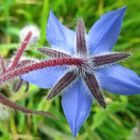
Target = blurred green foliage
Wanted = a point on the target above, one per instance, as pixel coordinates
(120, 121)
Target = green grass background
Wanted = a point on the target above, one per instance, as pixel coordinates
(121, 119)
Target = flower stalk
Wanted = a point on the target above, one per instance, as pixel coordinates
(50, 63)
(21, 50)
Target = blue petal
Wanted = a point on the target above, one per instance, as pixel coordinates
(44, 78)
(76, 102)
(104, 33)
(59, 36)
(119, 80)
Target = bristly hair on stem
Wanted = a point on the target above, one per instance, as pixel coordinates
(36, 66)
(21, 50)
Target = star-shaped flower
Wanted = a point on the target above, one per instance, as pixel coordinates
(83, 82)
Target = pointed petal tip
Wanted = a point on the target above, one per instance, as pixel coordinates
(51, 17)
(51, 13)
(118, 11)
(74, 133)
(59, 36)
(124, 7)
(108, 26)
(76, 105)
(120, 80)
(121, 10)
(74, 130)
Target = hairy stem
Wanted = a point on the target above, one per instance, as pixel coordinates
(21, 50)
(50, 63)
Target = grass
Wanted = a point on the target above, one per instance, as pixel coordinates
(120, 121)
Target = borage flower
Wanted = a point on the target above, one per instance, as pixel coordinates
(97, 70)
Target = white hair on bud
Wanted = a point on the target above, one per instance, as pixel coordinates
(30, 28)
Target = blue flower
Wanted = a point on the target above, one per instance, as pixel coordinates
(82, 84)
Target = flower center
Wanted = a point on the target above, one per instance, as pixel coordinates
(82, 65)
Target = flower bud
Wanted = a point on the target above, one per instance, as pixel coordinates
(35, 33)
